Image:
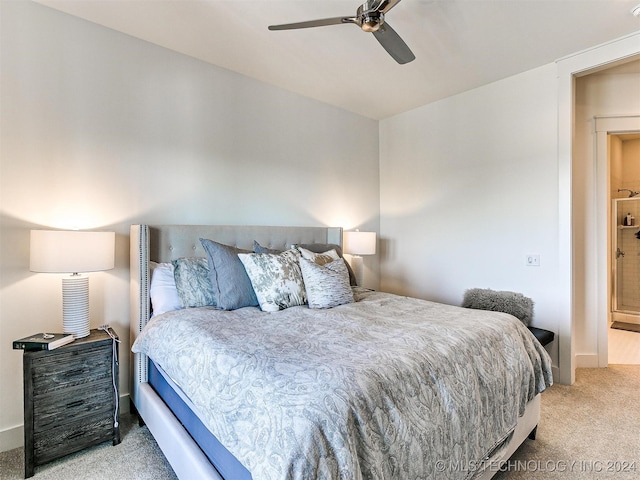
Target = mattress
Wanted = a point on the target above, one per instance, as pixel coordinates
(387, 386)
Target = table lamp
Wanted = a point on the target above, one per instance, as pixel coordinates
(356, 244)
(74, 252)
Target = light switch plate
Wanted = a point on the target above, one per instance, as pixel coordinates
(532, 260)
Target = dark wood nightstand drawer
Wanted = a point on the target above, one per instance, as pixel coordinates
(70, 438)
(61, 371)
(51, 410)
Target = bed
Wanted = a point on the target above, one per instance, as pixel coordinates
(382, 386)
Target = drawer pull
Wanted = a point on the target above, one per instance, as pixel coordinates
(75, 435)
(77, 371)
(77, 403)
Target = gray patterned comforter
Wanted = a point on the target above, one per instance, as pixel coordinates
(387, 387)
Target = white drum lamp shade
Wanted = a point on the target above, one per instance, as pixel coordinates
(356, 244)
(74, 252)
(359, 243)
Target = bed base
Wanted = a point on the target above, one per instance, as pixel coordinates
(168, 242)
(180, 450)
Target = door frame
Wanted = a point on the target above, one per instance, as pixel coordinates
(603, 56)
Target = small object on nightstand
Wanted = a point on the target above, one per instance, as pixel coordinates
(43, 341)
(70, 398)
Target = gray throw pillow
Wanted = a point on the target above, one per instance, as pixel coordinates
(513, 303)
(231, 285)
(193, 284)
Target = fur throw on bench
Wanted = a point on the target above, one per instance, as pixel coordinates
(512, 303)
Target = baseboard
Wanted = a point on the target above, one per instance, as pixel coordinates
(125, 404)
(13, 437)
(585, 360)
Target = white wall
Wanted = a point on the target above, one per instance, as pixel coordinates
(469, 187)
(100, 130)
(471, 184)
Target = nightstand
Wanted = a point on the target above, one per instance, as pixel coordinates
(70, 398)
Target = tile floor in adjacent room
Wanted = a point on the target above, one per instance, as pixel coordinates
(624, 347)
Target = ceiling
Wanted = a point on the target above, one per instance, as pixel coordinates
(458, 44)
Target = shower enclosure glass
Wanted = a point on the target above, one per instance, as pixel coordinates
(626, 261)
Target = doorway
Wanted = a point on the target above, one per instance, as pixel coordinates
(612, 134)
(625, 274)
(623, 312)
(582, 309)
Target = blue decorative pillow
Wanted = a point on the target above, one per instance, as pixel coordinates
(192, 282)
(231, 285)
(257, 248)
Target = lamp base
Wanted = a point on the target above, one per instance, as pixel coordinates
(358, 269)
(75, 306)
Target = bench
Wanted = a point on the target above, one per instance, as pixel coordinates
(544, 336)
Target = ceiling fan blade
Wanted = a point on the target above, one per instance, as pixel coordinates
(314, 23)
(393, 44)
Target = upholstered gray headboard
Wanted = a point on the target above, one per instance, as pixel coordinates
(163, 243)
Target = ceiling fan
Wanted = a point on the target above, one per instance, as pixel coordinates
(370, 18)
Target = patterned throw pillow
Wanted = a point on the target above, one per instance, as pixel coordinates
(276, 279)
(319, 258)
(192, 282)
(323, 247)
(327, 285)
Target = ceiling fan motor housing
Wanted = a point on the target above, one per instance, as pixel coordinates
(369, 20)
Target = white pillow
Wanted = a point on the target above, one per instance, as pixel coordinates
(163, 291)
(276, 279)
(327, 285)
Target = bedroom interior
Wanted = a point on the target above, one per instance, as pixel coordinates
(151, 139)
(564, 407)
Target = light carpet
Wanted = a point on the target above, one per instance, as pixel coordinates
(137, 457)
(590, 430)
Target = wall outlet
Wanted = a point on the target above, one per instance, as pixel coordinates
(532, 260)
